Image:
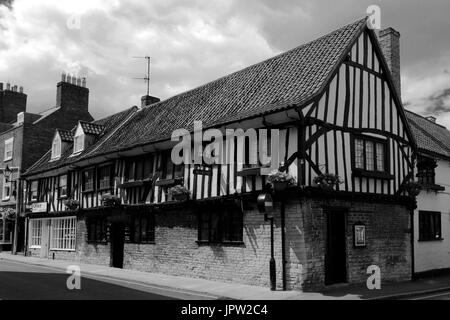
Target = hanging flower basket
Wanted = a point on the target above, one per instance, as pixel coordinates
(109, 200)
(280, 180)
(413, 188)
(327, 181)
(179, 193)
(72, 204)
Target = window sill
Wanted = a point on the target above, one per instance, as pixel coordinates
(64, 250)
(63, 197)
(168, 182)
(372, 174)
(9, 159)
(35, 247)
(246, 172)
(223, 243)
(431, 240)
(6, 199)
(433, 187)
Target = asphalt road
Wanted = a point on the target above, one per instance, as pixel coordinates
(20, 281)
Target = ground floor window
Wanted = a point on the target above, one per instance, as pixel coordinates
(143, 228)
(220, 226)
(35, 233)
(97, 230)
(63, 233)
(429, 226)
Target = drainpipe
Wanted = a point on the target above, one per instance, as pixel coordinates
(412, 244)
(16, 224)
(283, 244)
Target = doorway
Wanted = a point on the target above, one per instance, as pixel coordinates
(45, 240)
(117, 244)
(336, 257)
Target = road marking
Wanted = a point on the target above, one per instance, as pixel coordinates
(432, 296)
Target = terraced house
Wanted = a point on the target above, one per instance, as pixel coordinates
(338, 111)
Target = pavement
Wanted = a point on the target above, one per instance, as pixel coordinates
(207, 289)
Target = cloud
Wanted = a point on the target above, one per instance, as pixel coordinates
(192, 42)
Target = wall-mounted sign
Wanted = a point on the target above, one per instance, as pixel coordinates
(359, 235)
(39, 207)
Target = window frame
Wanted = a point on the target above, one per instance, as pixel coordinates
(56, 146)
(8, 142)
(426, 164)
(84, 190)
(386, 156)
(63, 227)
(135, 236)
(35, 235)
(100, 223)
(78, 148)
(223, 219)
(435, 221)
(63, 196)
(30, 197)
(99, 177)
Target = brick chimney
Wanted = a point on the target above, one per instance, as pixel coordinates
(12, 102)
(148, 100)
(72, 93)
(390, 45)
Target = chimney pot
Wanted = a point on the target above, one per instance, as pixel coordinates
(83, 82)
(63, 77)
(21, 89)
(14, 88)
(79, 81)
(1, 86)
(8, 86)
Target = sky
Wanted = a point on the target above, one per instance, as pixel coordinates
(192, 42)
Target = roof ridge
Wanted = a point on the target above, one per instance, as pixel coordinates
(425, 118)
(259, 63)
(432, 137)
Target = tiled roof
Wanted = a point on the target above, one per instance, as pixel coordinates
(91, 128)
(429, 136)
(66, 135)
(109, 124)
(289, 79)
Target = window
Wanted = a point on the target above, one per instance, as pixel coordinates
(88, 180)
(62, 189)
(129, 170)
(63, 234)
(56, 147)
(429, 226)
(143, 229)
(6, 189)
(426, 171)
(9, 149)
(97, 230)
(33, 191)
(104, 177)
(35, 233)
(220, 226)
(78, 143)
(370, 154)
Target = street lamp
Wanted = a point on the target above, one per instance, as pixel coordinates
(7, 173)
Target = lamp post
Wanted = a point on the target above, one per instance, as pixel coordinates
(265, 205)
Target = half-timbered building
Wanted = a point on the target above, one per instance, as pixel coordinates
(335, 110)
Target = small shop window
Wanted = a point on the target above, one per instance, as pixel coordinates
(143, 228)
(62, 189)
(88, 180)
(63, 233)
(220, 226)
(35, 233)
(97, 230)
(429, 226)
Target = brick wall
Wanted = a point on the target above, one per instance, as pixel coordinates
(177, 253)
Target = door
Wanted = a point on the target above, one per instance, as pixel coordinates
(45, 240)
(335, 257)
(117, 244)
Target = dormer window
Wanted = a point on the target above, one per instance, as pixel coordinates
(56, 147)
(78, 144)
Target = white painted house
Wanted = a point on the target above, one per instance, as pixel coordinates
(432, 216)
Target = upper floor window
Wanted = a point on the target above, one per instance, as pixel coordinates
(370, 154)
(62, 188)
(56, 147)
(426, 171)
(34, 191)
(6, 189)
(104, 177)
(78, 143)
(8, 149)
(88, 180)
